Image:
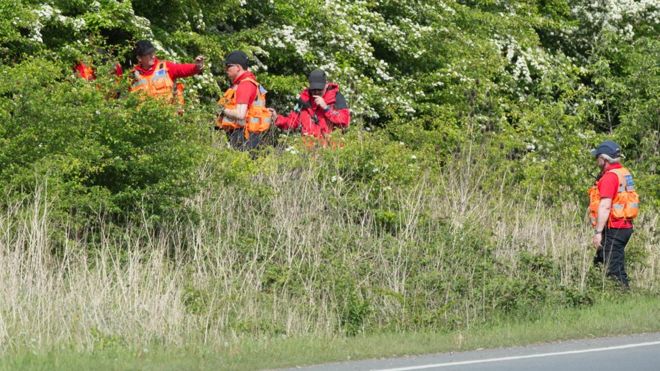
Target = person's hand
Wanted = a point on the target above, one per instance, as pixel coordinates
(320, 102)
(273, 114)
(199, 61)
(597, 240)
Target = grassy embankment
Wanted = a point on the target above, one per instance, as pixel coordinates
(612, 315)
(301, 276)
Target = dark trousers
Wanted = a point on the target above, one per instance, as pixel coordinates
(611, 253)
(237, 140)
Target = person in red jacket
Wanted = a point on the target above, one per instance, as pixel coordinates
(612, 233)
(84, 71)
(157, 78)
(320, 109)
(87, 72)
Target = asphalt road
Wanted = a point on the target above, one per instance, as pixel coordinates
(629, 353)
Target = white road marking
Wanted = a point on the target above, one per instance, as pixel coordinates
(540, 355)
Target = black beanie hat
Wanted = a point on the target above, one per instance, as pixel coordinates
(237, 57)
(143, 47)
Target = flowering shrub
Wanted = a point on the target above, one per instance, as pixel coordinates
(94, 154)
(454, 197)
(544, 80)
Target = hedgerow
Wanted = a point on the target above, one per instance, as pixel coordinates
(438, 209)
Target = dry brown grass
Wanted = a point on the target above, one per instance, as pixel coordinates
(204, 283)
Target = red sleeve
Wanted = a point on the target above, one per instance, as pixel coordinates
(177, 70)
(118, 70)
(246, 92)
(339, 117)
(608, 185)
(79, 69)
(289, 122)
(82, 73)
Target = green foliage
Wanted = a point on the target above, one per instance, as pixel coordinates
(196, 301)
(547, 79)
(355, 308)
(517, 91)
(104, 342)
(96, 155)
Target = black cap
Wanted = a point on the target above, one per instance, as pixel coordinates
(317, 80)
(143, 47)
(609, 148)
(237, 57)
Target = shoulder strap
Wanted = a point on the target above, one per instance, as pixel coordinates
(163, 66)
(621, 174)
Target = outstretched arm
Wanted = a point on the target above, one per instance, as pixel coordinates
(289, 122)
(180, 70)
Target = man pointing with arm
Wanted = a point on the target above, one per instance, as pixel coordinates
(156, 78)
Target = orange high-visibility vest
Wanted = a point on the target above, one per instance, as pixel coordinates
(158, 85)
(178, 94)
(625, 204)
(257, 119)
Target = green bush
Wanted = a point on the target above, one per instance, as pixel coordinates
(469, 118)
(96, 154)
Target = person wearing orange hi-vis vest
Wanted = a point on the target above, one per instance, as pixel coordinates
(155, 78)
(242, 109)
(613, 204)
(86, 72)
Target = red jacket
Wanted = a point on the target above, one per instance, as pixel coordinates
(313, 120)
(175, 70)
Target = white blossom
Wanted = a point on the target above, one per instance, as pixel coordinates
(291, 150)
